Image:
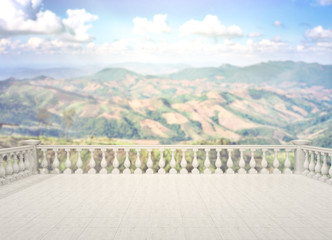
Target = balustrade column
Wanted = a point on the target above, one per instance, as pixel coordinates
(27, 163)
(44, 163)
(312, 165)
(173, 163)
(229, 162)
(161, 162)
(115, 162)
(92, 163)
(127, 163)
(330, 171)
(242, 163)
(325, 169)
(306, 163)
(2, 171)
(67, 162)
(21, 166)
(264, 163)
(195, 162)
(287, 163)
(138, 163)
(79, 163)
(318, 166)
(33, 157)
(149, 163)
(16, 168)
(183, 163)
(276, 162)
(207, 162)
(9, 169)
(252, 162)
(103, 162)
(299, 155)
(56, 162)
(218, 163)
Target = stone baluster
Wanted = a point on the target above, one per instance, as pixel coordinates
(9, 169)
(27, 171)
(103, 162)
(138, 163)
(183, 163)
(207, 162)
(2, 171)
(44, 163)
(56, 162)
(218, 163)
(276, 162)
(126, 162)
(115, 162)
(306, 163)
(79, 163)
(252, 162)
(16, 168)
(149, 163)
(161, 162)
(330, 171)
(92, 163)
(173, 163)
(21, 165)
(195, 162)
(318, 166)
(264, 163)
(229, 162)
(67, 162)
(325, 169)
(312, 165)
(287, 169)
(242, 163)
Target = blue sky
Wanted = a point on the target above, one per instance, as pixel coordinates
(80, 32)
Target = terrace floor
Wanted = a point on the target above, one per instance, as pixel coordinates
(166, 207)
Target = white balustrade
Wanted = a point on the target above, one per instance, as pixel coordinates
(2, 171)
(149, 163)
(218, 162)
(306, 163)
(138, 163)
(21, 166)
(9, 168)
(264, 163)
(44, 163)
(312, 165)
(116, 162)
(325, 169)
(161, 162)
(195, 162)
(126, 163)
(207, 162)
(16, 168)
(318, 166)
(276, 162)
(287, 164)
(252, 162)
(173, 163)
(183, 163)
(330, 170)
(229, 162)
(79, 163)
(27, 159)
(242, 163)
(103, 162)
(92, 163)
(68, 162)
(56, 162)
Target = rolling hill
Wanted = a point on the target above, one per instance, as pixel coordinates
(271, 102)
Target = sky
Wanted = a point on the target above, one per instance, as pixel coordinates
(49, 33)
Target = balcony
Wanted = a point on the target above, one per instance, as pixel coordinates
(166, 192)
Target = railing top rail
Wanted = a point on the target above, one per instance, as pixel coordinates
(14, 149)
(222, 147)
(317, 149)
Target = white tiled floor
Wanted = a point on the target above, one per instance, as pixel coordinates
(166, 207)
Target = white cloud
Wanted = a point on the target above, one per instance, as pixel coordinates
(324, 2)
(157, 25)
(278, 23)
(254, 34)
(25, 17)
(319, 33)
(211, 27)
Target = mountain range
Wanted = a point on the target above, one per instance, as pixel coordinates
(271, 102)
